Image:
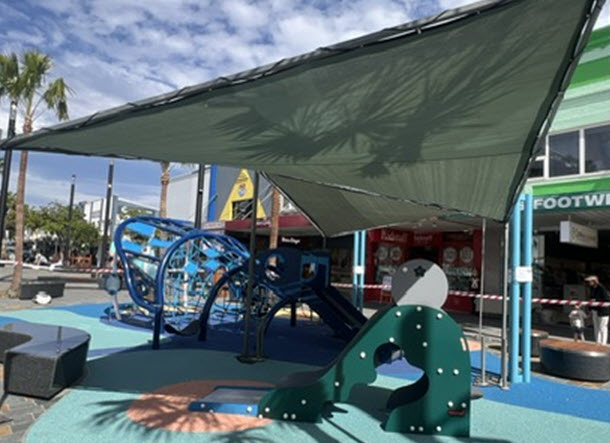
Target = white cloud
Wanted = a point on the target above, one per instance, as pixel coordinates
(111, 51)
(604, 17)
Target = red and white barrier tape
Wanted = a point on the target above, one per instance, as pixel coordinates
(547, 301)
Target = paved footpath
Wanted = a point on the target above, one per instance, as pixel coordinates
(19, 413)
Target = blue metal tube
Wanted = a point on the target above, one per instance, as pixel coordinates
(515, 258)
(528, 232)
(356, 260)
(362, 264)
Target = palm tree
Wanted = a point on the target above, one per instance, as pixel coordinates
(29, 89)
(275, 219)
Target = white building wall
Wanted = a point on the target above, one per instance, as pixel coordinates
(182, 196)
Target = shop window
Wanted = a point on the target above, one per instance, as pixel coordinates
(537, 169)
(242, 209)
(597, 149)
(563, 154)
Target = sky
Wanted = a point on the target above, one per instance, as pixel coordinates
(114, 51)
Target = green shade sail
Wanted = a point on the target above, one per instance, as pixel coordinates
(424, 119)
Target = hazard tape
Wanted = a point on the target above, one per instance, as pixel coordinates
(546, 301)
(92, 270)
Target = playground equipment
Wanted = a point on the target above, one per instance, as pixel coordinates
(438, 403)
(283, 278)
(182, 279)
(169, 268)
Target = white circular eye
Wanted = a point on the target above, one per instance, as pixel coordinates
(418, 326)
(398, 313)
(425, 344)
(439, 371)
(439, 429)
(285, 416)
(337, 384)
(293, 416)
(439, 315)
(363, 355)
(391, 340)
(456, 372)
(411, 428)
(450, 404)
(420, 429)
(267, 409)
(419, 308)
(303, 402)
(464, 405)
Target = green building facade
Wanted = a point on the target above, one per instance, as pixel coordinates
(570, 181)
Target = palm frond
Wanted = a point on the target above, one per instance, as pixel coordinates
(9, 76)
(56, 97)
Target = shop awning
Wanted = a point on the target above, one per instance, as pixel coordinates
(433, 117)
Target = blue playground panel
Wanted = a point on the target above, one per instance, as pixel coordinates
(242, 400)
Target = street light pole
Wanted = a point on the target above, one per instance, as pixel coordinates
(104, 253)
(69, 234)
(6, 170)
(199, 200)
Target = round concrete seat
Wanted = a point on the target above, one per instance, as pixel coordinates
(575, 360)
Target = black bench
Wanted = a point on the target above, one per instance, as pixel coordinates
(575, 360)
(29, 289)
(41, 360)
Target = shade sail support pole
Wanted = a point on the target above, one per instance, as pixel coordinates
(504, 356)
(246, 356)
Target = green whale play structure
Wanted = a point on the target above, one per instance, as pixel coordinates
(438, 403)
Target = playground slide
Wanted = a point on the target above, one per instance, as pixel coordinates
(336, 311)
(437, 403)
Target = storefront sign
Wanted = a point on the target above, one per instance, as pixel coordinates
(570, 202)
(392, 235)
(291, 240)
(573, 233)
(214, 226)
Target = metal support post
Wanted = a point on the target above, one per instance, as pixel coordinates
(515, 292)
(504, 359)
(246, 356)
(104, 251)
(212, 193)
(483, 380)
(69, 233)
(528, 232)
(199, 198)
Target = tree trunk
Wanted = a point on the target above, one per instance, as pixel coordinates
(15, 288)
(275, 219)
(164, 182)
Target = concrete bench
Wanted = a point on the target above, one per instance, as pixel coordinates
(41, 360)
(29, 289)
(575, 360)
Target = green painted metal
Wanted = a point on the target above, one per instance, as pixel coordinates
(438, 403)
(573, 185)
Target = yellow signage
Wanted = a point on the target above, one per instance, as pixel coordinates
(242, 191)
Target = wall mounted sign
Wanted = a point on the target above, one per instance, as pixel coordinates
(575, 234)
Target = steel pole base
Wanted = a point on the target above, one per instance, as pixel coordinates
(249, 359)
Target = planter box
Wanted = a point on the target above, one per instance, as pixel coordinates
(29, 289)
